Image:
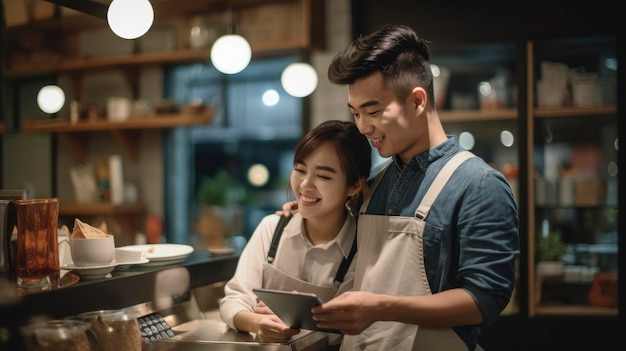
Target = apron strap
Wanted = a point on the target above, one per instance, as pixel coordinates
(440, 181)
(345, 264)
(278, 232)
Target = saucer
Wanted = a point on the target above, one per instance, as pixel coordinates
(91, 272)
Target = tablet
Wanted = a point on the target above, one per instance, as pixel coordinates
(293, 308)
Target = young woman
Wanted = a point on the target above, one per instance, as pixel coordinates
(312, 253)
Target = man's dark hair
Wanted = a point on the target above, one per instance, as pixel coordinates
(394, 50)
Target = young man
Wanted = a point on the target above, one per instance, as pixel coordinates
(432, 268)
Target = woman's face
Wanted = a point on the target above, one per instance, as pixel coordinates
(319, 184)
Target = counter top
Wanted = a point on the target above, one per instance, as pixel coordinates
(126, 288)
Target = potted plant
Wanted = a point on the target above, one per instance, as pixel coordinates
(550, 249)
(220, 200)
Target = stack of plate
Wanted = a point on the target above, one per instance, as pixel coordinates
(161, 254)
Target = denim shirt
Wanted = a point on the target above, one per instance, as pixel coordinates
(471, 236)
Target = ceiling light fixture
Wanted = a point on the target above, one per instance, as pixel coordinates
(299, 79)
(231, 53)
(130, 19)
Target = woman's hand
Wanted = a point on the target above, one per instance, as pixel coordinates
(262, 308)
(272, 329)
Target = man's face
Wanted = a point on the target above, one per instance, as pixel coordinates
(390, 125)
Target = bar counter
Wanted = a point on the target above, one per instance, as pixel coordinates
(125, 288)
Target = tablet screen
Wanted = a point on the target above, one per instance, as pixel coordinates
(293, 308)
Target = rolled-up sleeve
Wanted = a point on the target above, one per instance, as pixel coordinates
(488, 243)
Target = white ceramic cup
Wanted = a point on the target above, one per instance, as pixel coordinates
(93, 252)
(118, 108)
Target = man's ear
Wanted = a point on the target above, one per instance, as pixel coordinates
(419, 97)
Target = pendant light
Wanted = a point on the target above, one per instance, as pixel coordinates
(231, 53)
(50, 99)
(130, 19)
(299, 79)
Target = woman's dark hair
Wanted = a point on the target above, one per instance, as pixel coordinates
(351, 146)
(394, 50)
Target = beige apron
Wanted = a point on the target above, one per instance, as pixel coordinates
(274, 278)
(388, 264)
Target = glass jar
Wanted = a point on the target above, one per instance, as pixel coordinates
(57, 335)
(114, 329)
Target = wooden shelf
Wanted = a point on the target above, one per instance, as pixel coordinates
(477, 115)
(62, 125)
(70, 65)
(572, 111)
(99, 208)
(124, 133)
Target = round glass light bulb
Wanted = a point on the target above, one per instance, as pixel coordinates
(130, 19)
(231, 53)
(299, 79)
(50, 99)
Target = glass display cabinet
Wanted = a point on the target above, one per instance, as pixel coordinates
(544, 114)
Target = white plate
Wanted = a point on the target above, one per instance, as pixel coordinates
(124, 265)
(165, 262)
(143, 260)
(163, 254)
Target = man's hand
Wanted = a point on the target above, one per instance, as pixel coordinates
(287, 208)
(351, 312)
